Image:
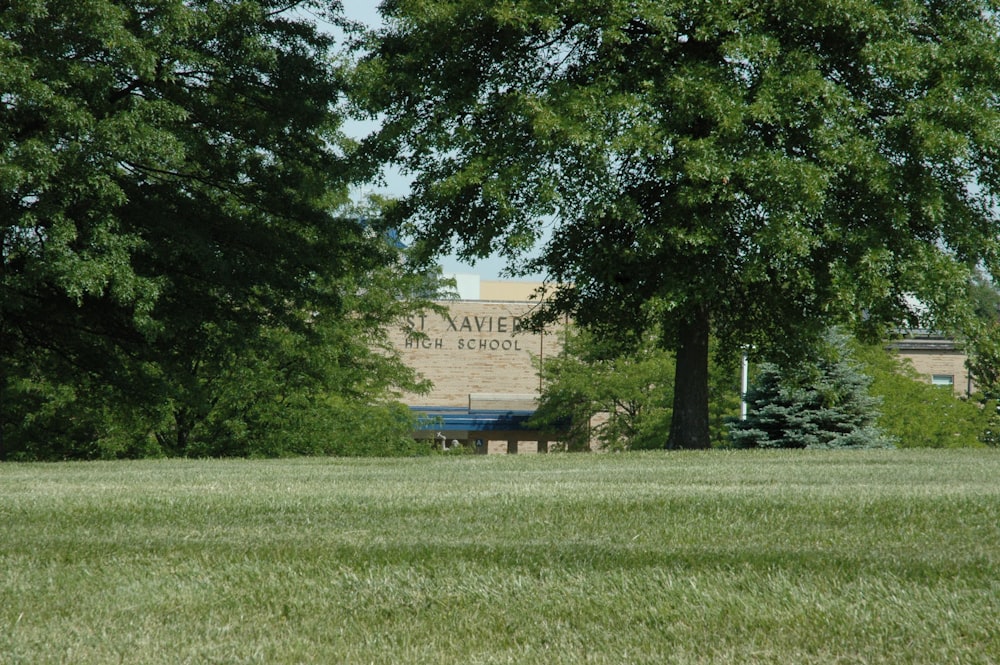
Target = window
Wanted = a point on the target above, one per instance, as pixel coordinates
(943, 380)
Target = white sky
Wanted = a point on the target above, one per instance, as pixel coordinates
(396, 184)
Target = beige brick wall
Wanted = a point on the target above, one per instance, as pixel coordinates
(932, 362)
(499, 290)
(478, 347)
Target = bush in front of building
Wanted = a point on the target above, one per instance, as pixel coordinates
(596, 394)
(920, 415)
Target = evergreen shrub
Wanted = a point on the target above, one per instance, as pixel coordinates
(820, 404)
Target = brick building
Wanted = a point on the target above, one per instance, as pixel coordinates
(940, 359)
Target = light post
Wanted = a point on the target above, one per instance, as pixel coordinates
(744, 384)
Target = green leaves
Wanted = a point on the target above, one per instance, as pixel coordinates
(176, 229)
(762, 121)
(602, 390)
(597, 393)
(919, 415)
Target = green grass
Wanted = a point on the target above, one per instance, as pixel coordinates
(740, 557)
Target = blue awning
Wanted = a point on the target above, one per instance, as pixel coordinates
(460, 418)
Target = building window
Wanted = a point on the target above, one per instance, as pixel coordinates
(943, 380)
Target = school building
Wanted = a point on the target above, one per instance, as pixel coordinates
(938, 358)
(483, 364)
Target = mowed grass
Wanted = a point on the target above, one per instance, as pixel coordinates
(716, 557)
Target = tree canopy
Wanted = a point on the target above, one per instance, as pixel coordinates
(178, 254)
(746, 170)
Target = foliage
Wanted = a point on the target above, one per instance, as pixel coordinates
(181, 272)
(983, 362)
(620, 401)
(917, 414)
(620, 398)
(321, 388)
(824, 403)
(50, 420)
(984, 296)
(983, 337)
(747, 171)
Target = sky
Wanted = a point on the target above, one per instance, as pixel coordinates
(397, 185)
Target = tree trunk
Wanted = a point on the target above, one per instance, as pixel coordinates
(689, 424)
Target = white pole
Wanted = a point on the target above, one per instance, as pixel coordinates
(744, 384)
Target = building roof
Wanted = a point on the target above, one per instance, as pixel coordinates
(925, 341)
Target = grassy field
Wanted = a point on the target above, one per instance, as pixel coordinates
(740, 557)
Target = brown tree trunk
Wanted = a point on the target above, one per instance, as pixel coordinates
(689, 425)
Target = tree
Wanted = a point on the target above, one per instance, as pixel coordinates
(177, 252)
(983, 337)
(821, 404)
(594, 393)
(747, 171)
(288, 389)
(620, 395)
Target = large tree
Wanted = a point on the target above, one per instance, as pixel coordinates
(744, 169)
(175, 243)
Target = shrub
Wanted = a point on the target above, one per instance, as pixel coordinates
(917, 414)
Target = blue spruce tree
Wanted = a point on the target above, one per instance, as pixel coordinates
(821, 404)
